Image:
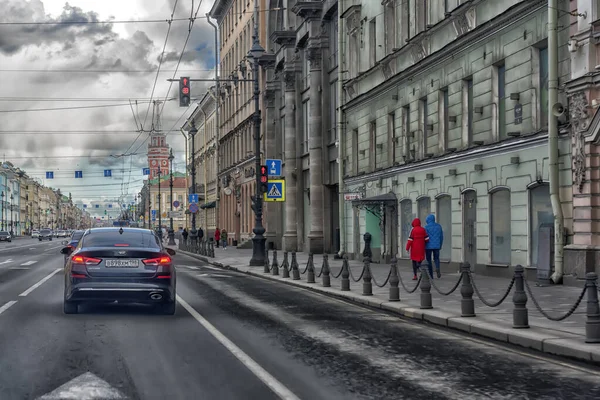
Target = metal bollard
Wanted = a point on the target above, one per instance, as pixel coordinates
(310, 276)
(592, 322)
(467, 304)
(520, 312)
(274, 265)
(295, 270)
(367, 284)
(425, 288)
(345, 275)
(367, 252)
(394, 280)
(286, 265)
(325, 274)
(267, 267)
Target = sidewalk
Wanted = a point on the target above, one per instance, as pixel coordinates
(565, 338)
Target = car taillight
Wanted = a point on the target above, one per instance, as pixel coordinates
(157, 261)
(81, 260)
(164, 266)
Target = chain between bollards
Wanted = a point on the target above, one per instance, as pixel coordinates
(425, 289)
(520, 312)
(326, 279)
(367, 285)
(592, 322)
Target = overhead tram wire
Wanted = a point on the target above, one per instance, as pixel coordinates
(66, 108)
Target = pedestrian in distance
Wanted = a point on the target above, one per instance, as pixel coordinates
(434, 244)
(224, 238)
(184, 234)
(217, 236)
(415, 245)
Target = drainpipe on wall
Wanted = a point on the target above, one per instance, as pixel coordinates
(341, 139)
(216, 98)
(205, 182)
(553, 141)
(186, 171)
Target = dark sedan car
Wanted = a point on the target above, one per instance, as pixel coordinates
(72, 242)
(126, 265)
(5, 237)
(45, 234)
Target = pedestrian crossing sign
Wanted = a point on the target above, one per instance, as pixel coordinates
(275, 190)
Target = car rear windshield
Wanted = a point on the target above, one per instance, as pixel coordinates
(116, 239)
(77, 235)
(45, 231)
(3, 233)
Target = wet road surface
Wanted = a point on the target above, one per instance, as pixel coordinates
(241, 337)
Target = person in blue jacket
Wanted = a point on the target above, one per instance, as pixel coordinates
(436, 240)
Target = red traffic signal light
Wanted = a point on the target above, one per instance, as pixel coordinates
(184, 91)
(264, 177)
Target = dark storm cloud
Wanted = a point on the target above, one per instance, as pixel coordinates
(15, 37)
(188, 56)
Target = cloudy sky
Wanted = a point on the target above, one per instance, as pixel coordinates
(93, 72)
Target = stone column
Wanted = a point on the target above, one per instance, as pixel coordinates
(290, 238)
(315, 149)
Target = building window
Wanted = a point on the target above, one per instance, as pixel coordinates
(444, 218)
(406, 131)
(500, 233)
(391, 138)
(333, 43)
(306, 127)
(355, 151)
(501, 91)
(406, 217)
(372, 145)
(424, 208)
(422, 15)
(283, 137)
(406, 21)
(443, 120)
(389, 22)
(354, 58)
(424, 123)
(372, 42)
(544, 86)
(468, 113)
(540, 210)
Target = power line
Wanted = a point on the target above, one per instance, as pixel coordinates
(100, 71)
(57, 99)
(66, 108)
(106, 22)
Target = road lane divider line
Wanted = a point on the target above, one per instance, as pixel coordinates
(40, 283)
(277, 387)
(7, 306)
(30, 262)
(6, 262)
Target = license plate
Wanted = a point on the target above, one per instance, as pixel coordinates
(122, 263)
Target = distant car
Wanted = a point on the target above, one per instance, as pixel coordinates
(127, 265)
(35, 234)
(45, 234)
(5, 236)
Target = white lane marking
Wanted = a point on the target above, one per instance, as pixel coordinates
(7, 306)
(18, 247)
(19, 268)
(32, 248)
(40, 283)
(188, 266)
(277, 387)
(215, 275)
(214, 268)
(31, 262)
(6, 262)
(86, 386)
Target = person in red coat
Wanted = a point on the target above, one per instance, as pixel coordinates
(416, 245)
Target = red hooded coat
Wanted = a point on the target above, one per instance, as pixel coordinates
(416, 241)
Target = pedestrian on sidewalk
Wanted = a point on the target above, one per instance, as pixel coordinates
(184, 234)
(224, 238)
(200, 234)
(434, 244)
(415, 245)
(217, 236)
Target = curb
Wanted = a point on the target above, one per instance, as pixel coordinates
(540, 339)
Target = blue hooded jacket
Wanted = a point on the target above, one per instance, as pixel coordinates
(436, 235)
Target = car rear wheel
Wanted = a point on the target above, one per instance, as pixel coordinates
(70, 307)
(167, 308)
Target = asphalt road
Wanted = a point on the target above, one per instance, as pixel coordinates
(241, 337)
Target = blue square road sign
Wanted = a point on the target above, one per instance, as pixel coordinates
(274, 167)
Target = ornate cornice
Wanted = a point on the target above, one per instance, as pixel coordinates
(289, 78)
(284, 38)
(315, 57)
(578, 107)
(308, 9)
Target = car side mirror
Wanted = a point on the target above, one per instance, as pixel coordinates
(170, 251)
(65, 250)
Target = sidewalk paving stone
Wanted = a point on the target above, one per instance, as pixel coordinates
(565, 338)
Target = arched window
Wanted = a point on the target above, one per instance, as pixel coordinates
(540, 212)
(444, 218)
(500, 234)
(406, 217)
(424, 208)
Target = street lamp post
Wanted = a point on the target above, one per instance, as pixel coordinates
(11, 214)
(3, 208)
(258, 241)
(171, 230)
(159, 207)
(192, 132)
(149, 204)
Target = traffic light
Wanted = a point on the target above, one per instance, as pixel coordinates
(184, 91)
(264, 178)
(104, 212)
